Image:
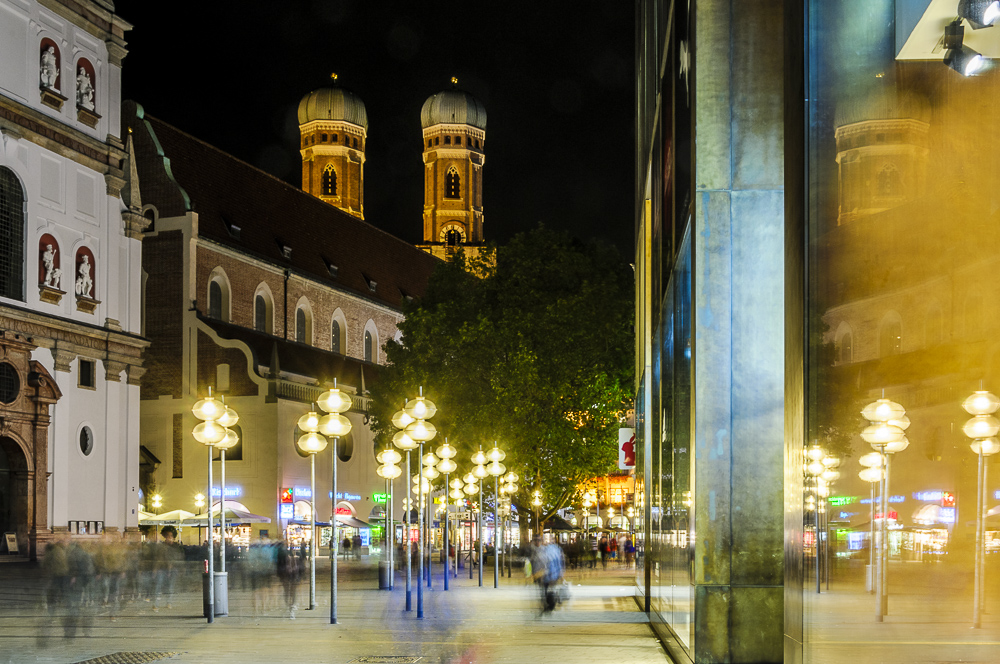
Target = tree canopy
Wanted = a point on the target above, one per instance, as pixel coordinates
(535, 352)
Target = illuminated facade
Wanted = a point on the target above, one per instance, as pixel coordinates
(828, 240)
(71, 354)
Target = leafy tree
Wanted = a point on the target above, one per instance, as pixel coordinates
(530, 346)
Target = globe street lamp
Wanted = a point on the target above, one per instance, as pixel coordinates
(871, 473)
(208, 433)
(312, 443)
(199, 503)
(508, 488)
(885, 434)
(334, 424)
(402, 440)
(536, 501)
(982, 428)
(496, 469)
(420, 409)
(480, 473)
(446, 453)
(228, 419)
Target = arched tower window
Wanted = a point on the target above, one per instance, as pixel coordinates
(263, 310)
(329, 181)
(453, 238)
(218, 295)
(335, 337)
(303, 322)
(888, 182)
(845, 344)
(371, 344)
(452, 184)
(11, 235)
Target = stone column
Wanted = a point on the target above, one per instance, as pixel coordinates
(738, 293)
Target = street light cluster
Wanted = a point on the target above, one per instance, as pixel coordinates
(821, 470)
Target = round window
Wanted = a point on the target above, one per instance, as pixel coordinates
(10, 384)
(86, 441)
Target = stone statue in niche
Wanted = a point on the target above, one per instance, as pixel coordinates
(49, 70)
(53, 275)
(84, 90)
(84, 284)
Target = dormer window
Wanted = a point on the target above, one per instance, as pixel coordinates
(286, 251)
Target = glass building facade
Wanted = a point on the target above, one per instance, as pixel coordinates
(817, 240)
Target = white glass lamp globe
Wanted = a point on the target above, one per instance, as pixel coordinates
(479, 458)
(429, 459)
(447, 466)
(335, 425)
(471, 489)
(403, 441)
(334, 401)
(511, 477)
(389, 471)
(401, 419)
(496, 454)
(880, 434)
(420, 408)
(208, 409)
(446, 451)
(883, 410)
(871, 460)
(456, 483)
(309, 422)
(496, 469)
(390, 455)
(985, 446)
(872, 474)
(421, 430)
(312, 442)
(208, 432)
(981, 426)
(229, 441)
(981, 403)
(456, 494)
(228, 419)
(480, 472)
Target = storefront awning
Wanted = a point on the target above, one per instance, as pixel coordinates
(352, 522)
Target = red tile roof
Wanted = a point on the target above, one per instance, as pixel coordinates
(178, 172)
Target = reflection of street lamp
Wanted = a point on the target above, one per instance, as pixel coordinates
(496, 469)
(631, 519)
(457, 495)
(885, 434)
(982, 428)
(199, 503)
(333, 425)
(536, 502)
(429, 473)
(228, 419)
(157, 502)
(872, 473)
(480, 473)
(470, 489)
(389, 471)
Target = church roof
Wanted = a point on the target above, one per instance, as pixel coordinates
(453, 107)
(253, 212)
(333, 103)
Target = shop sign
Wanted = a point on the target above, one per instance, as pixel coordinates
(366, 537)
(380, 497)
(302, 492)
(840, 501)
(343, 495)
(929, 496)
(286, 496)
(996, 494)
(892, 499)
(231, 492)
(947, 499)
(946, 515)
(287, 511)
(343, 511)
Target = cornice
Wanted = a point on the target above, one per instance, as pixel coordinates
(96, 18)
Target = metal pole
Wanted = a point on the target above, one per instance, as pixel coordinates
(496, 533)
(390, 538)
(480, 533)
(472, 544)
(334, 538)
(420, 534)
(885, 536)
(816, 529)
(222, 513)
(826, 542)
(871, 543)
(977, 601)
(312, 531)
(447, 550)
(879, 569)
(406, 538)
(211, 545)
(429, 535)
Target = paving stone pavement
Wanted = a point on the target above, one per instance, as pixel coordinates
(467, 624)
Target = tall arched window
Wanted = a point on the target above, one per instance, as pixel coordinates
(11, 235)
(452, 184)
(260, 313)
(329, 181)
(335, 337)
(300, 325)
(215, 300)
(890, 337)
(847, 348)
(368, 346)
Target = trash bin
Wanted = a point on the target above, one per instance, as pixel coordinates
(222, 593)
(384, 575)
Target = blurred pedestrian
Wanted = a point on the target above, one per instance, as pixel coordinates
(288, 573)
(548, 568)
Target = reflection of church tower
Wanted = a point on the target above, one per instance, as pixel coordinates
(454, 139)
(334, 127)
(881, 153)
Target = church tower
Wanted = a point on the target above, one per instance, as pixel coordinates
(454, 140)
(333, 125)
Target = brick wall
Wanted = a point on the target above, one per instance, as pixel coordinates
(210, 356)
(163, 262)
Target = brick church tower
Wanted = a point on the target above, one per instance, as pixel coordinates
(333, 125)
(454, 139)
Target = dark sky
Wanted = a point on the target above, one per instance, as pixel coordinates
(556, 77)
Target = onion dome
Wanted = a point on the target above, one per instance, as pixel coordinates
(453, 107)
(333, 103)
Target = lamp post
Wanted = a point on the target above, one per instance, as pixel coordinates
(208, 433)
(456, 494)
(402, 440)
(430, 473)
(509, 489)
(446, 466)
(420, 409)
(199, 503)
(470, 489)
(333, 425)
(982, 428)
(885, 435)
(312, 443)
(480, 473)
(228, 419)
(871, 473)
(496, 469)
(630, 512)
(389, 471)
(536, 501)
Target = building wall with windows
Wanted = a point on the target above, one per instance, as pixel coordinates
(70, 274)
(245, 283)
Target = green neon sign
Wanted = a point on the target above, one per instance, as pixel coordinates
(380, 497)
(840, 501)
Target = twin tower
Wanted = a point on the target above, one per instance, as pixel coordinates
(333, 125)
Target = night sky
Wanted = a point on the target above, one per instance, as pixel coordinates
(556, 77)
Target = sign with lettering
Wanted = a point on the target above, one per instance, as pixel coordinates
(380, 497)
(287, 497)
(287, 511)
(11, 539)
(302, 492)
(231, 492)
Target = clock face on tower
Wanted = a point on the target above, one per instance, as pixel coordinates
(452, 235)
